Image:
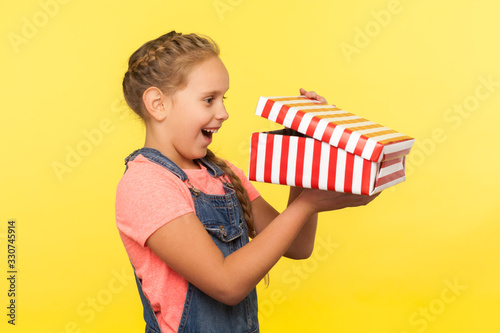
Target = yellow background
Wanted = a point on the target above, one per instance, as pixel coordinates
(423, 257)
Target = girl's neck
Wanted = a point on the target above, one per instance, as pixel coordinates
(183, 164)
(157, 138)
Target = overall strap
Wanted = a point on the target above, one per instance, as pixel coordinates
(155, 156)
(213, 170)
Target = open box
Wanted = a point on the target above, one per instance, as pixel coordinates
(325, 147)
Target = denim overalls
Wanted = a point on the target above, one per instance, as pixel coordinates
(222, 217)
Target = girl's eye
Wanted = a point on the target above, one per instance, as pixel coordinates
(210, 100)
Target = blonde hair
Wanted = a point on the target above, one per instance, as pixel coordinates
(165, 63)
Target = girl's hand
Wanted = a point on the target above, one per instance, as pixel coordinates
(320, 200)
(313, 95)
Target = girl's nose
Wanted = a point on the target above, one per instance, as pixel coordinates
(222, 114)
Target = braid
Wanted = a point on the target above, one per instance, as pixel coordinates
(165, 63)
(149, 51)
(240, 190)
(242, 195)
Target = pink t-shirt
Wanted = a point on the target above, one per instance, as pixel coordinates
(148, 197)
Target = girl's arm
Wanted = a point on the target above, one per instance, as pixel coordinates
(187, 248)
(303, 245)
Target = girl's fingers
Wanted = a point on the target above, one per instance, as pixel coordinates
(308, 94)
(312, 95)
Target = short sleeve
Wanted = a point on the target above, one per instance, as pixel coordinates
(149, 196)
(251, 190)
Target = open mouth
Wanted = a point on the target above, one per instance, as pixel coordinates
(208, 132)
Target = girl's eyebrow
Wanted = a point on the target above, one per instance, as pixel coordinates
(214, 92)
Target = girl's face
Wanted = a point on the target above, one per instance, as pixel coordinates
(196, 112)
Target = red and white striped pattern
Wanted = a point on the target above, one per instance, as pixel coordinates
(342, 152)
(391, 173)
(335, 126)
(305, 162)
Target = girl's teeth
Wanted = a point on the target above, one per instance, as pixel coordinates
(208, 132)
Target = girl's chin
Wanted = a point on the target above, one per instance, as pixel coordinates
(201, 153)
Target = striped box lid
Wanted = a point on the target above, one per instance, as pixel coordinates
(336, 127)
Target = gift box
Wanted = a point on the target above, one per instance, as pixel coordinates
(325, 147)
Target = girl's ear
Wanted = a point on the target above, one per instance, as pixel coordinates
(155, 103)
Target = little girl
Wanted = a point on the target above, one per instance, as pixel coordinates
(185, 215)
